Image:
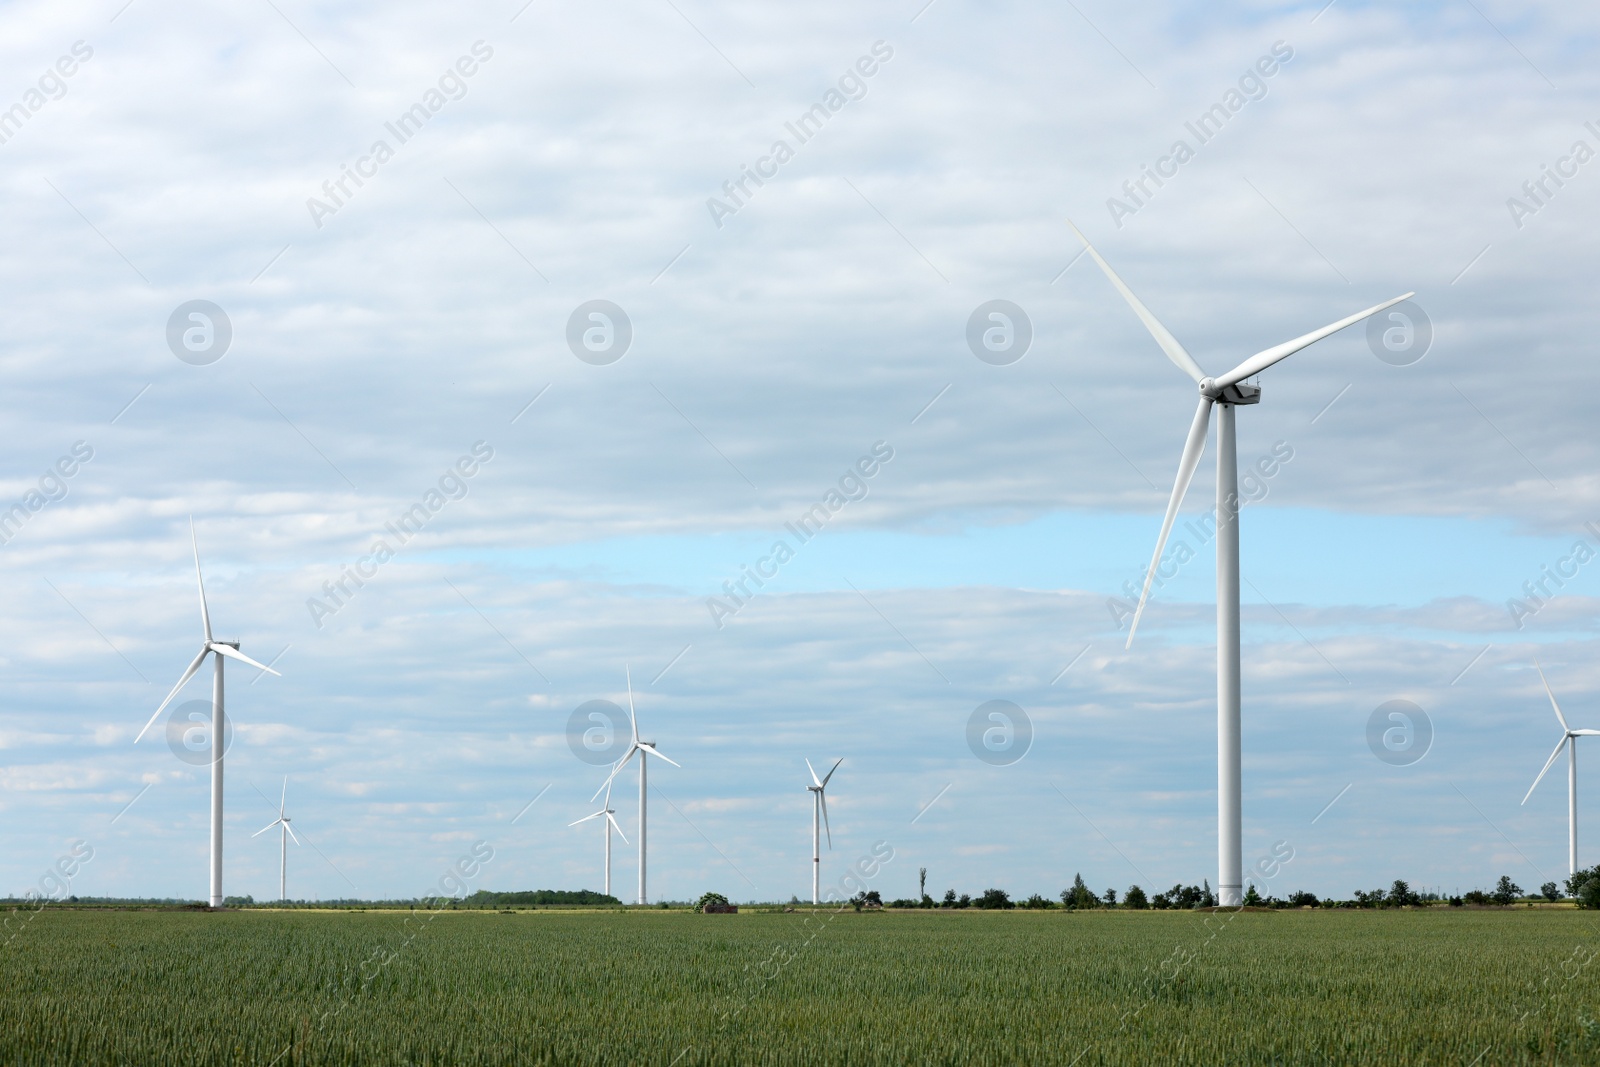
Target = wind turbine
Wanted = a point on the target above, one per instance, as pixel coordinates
(643, 748)
(223, 649)
(283, 840)
(1224, 393)
(819, 803)
(610, 817)
(1569, 739)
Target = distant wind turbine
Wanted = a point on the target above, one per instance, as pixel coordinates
(222, 649)
(819, 804)
(610, 816)
(1569, 740)
(1224, 393)
(283, 840)
(643, 748)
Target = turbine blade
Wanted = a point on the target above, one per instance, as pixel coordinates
(652, 750)
(586, 818)
(290, 829)
(1267, 357)
(267, 827)
(815, 781)
(606, 785)
(283, 796)
(633, 716)
(234, 653)
(205, 616)
(1169, 344)
(822, 798)
(1584, 733)
(1560, 717)
(193, 667)
(1547, 765)
(618, 827)
(836, 763)
(1192, 450)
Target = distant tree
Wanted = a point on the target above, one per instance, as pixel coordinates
(1251, 897)
(1455, 902)
(709, 898)
(1079, 895)
(1580, 878)
(902, 903)
(994, 899)
(922, 882)
(794, 901)
(1206, 899)
(1506, 891)
(1181, 896)
(1301, 899)
(1550, 891)
(1161, 901)
(1134, 898)
(949, 898)
(1401, 895)
(1476, 897)
(963, 901)
(1588, 895)
(1110, 897)
(1036, 901)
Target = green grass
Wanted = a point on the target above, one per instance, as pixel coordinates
(299, 987)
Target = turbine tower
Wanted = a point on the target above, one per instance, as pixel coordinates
(819, 804)
(283, 840)
(643, 748)
(1569, 740)
(223, 650)
(1224, 393)
(610, 816)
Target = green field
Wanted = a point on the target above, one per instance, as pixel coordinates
(1444, 986)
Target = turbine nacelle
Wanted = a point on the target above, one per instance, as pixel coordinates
(1235, 393)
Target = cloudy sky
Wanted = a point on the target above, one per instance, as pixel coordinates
(364, 339)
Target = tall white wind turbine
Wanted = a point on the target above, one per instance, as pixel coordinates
(1569, 741)
(643, 749)
(819, 805)
(609, 815)
(223, 650)
(1223, 393)
(283, 841)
